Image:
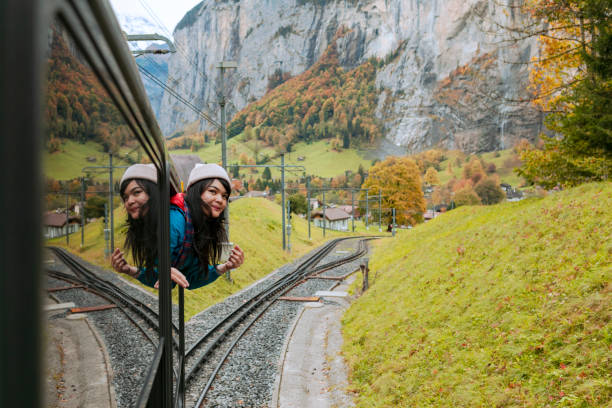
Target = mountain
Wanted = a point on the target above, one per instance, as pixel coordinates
(156, 64)
(450, 76)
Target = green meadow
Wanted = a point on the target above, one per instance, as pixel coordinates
(500, 306)
(318, 157)
(255, 225)
(67, 163)
(499, 158)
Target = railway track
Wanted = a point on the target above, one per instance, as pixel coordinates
(207, 355)
(206, 358)
(135, 310)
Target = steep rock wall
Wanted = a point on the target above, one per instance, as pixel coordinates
(451, 79)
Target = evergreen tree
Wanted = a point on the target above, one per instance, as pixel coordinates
(266, 175)
(298, 203)
(235, 170)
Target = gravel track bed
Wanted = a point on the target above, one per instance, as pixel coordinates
(129, 351)
(248, 376)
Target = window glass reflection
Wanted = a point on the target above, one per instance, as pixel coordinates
(86, 151)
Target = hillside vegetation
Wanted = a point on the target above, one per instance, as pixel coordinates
(255, 225)
(496, 306)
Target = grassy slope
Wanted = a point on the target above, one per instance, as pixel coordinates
(255, 226)
(505, 175)
(319, 158)
(68, 162)
(322, 161)
(508, 305)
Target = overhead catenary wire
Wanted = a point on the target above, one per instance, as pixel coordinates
(180, 50)
(159, 71)
(172, 92)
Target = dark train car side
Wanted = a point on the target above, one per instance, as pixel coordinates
(101, 101)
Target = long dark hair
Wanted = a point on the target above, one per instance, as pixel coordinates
(141, 234)
(209, 232)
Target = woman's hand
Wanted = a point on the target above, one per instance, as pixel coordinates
(120, 264)
(177, 277)
(235, 259)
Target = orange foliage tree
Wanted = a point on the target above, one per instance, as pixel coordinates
(572, 80)
(399, 181)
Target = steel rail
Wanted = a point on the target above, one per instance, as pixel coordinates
(245, 309)
(134, 304)
(270, 296)
(71, 260)
(75, 279)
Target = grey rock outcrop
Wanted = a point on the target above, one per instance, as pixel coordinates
(452, 76)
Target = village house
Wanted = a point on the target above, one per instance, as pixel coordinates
(512, 194)
(430, 215)
(54, 224)
(335, 219)
(349, 210)
(255, 193)
(314, 203)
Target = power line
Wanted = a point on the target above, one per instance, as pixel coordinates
(178, 47)
(179, 97)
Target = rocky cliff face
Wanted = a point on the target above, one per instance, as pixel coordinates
(451, 78)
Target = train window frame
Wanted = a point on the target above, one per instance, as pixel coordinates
(24, 26)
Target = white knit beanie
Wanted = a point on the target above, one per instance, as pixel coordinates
(140, 171)
(205, 171)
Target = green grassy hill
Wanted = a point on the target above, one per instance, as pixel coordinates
(255, 225)
(319, 158)
(67, 163)
(504, 161)
(501, 306)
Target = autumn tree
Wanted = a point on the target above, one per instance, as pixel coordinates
(244, 158)
(573, 82)
(398, 180)
(466, 196)
(474, 170)
(441, 195)
(431, 177)
(489, 191)
(323, 102)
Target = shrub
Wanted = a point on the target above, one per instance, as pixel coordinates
(466, 196)
(489, 192)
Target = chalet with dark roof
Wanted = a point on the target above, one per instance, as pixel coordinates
(333, 219)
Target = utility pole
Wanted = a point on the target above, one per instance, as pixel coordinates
(109, 168)
(223, 65)
(323, 213)
(106, 250)
(283, 168)
(283, 195)
(308, 203)
(379, 211)
(353, 209)
(367, 209)
(83, 212)
(67, 220)
(112, 205)
(289, 225)
(149, 37)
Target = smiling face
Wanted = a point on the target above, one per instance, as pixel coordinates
(215, 197)
(135, 199)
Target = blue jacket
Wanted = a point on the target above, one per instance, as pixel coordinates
(190, 263)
